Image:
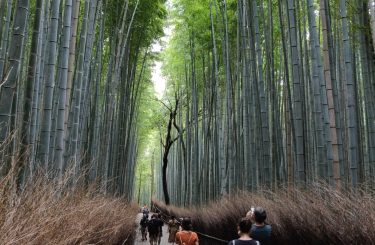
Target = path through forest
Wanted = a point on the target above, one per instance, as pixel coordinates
(164, 239)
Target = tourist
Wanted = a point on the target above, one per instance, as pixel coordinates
(153, 230)
(243, 228)
(145, 210)
(260, 230)
(186, 236)
(160, 225)
(144, 223)
(173, 227)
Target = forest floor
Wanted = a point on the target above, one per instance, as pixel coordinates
(164, 239)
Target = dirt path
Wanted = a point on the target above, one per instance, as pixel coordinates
(164, 239)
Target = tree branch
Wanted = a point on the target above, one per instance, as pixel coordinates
(165, 105)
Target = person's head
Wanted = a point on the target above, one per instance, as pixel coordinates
(259, 215)
(154, 216)
(186, 224)
(249, 214)
(159, 215)
(244, 225)
(172, 217)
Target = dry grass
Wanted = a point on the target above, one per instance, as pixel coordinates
(41, 215)
(320, 215)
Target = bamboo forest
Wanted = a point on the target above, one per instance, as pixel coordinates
(187, 108)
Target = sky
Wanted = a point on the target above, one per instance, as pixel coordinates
(158, 79)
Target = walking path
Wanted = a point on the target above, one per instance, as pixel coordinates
(164, 239)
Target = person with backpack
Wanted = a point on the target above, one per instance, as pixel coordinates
(153, 230)
(145, 210)
(260, 230)
(143, 224)
(160, 224)
(243, 227)
(173, 227)
(186, 236)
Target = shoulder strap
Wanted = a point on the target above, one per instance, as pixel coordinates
(234, 242)
(189, 237)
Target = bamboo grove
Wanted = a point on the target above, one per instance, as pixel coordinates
(72, 75)
(267, 94)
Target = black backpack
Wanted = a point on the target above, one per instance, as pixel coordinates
(153, 227)
(144, 222)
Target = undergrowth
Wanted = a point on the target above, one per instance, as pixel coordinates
(41, 213)
(319, 215)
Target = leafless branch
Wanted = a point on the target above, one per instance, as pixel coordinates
(165, 105)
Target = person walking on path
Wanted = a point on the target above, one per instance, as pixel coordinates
(143, 224)
(173, 227)
(243, 227)
(260, 230)
(153, 230)
(160, 224)
(186, 236)
(145, 210)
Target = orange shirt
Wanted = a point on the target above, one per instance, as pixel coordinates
(186, 237)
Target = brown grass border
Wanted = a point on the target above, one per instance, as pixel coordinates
(319, 215)
(43, 214)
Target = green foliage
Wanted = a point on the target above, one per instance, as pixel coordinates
(147, 26)
(148, 19)
(148, 121)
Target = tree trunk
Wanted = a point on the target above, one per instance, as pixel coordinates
(317, 76)
(32, 88)
(8, 87)
(49, 85)
(78, 88)
(72, 56)
(167, 146)
(4, 42)
(64, 62)
(352, 128)
(298, 96)
(329, 87)
(371, 4)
